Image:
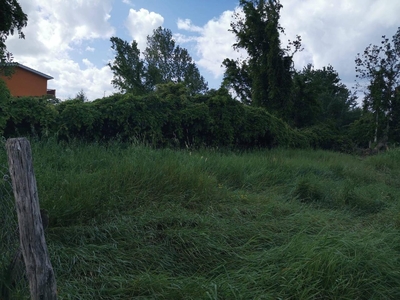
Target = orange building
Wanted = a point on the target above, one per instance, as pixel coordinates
(28, 82)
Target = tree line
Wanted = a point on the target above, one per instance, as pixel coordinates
(263, 99)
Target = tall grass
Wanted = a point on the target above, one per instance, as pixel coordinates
(131, 222)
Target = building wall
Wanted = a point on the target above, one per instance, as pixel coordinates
(25, 83)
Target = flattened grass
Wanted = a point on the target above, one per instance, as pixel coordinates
(131, 222)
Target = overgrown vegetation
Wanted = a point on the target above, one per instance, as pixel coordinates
(163, 62)
(263, 102)
(173, 191)
(167, 117)
(132, 222)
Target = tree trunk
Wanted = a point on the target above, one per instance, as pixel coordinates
(40, 274)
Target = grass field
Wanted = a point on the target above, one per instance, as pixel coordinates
(131, 222)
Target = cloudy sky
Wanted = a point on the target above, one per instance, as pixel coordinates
(70, 39)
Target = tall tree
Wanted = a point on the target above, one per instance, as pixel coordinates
(306, 107)
(320, 96)
(237, 77)
(167, 62)
(128, 68)
(12, 19)
(379, 66)
(266, 74)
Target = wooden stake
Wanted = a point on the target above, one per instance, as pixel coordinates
(40, 274)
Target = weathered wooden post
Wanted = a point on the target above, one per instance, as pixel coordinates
(40, 274)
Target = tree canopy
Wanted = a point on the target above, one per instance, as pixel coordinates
(128, 68)
(168, 62)
(163, 62)
(320, 96)
(264, 78)
(12, 19)
(379, 66)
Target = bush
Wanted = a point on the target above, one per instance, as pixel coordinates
(169, 116)
(29, 116)
(4, 100)
(326, 136)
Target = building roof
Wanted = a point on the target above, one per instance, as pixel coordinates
(33, 71)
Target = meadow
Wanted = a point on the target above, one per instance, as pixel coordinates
(128, 221)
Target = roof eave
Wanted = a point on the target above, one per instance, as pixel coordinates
(33, 71)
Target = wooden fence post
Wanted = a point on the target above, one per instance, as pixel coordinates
(40, 274)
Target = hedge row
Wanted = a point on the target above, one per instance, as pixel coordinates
(167, 117)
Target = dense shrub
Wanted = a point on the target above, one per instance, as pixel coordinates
(327, 136)
(28, 116)
(76, 119)
(169, 116)
(4, 100)
(362, 131)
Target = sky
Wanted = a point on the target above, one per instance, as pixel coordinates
(70, 39)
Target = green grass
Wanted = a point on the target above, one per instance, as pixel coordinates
(131, 222)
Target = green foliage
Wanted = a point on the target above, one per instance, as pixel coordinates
(81, 96)
(129, 221)
(362, 131)
(167, 62)
(306, 192)
(128, 68)
(29, 116)
(237, 77)
(12, 19)
(8, 227)
(267, 79)
(320, 97)
(306, 107)
(380, 65)
(130, 117)
(5, 96)
(394, 122)
(169, 116)
(226, 117)
(76, 119)
(327, 136)
(265, 75)
(163, 63)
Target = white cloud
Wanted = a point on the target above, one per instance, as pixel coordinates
(214, 42)
(141, 23)
(87, 63)
(54, 29)
(187, 25)
(181, 38)
(70, 77)
(334, 32)
(128, 2)
(57, 24)
(93, 81)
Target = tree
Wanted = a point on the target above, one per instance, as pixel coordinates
(81, 96)
(167, 62)
(237, 77)
(5, 97)
(128, 68)
(306, 109)
(320, 96)
(264, 79)
(379, 66)
(163, 62)
(12, 19)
